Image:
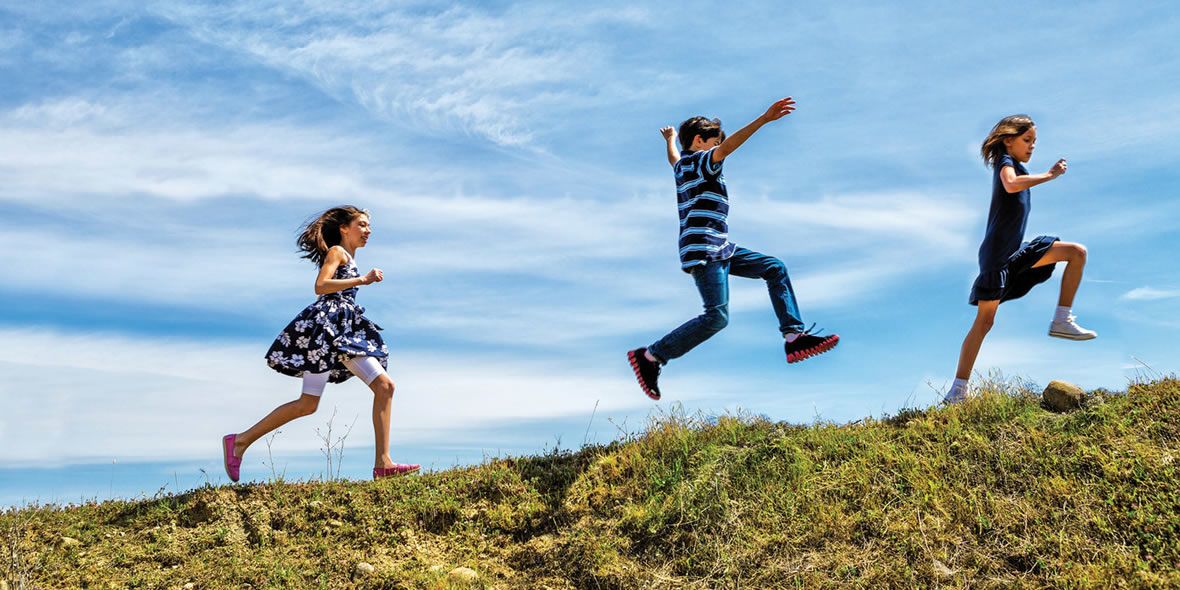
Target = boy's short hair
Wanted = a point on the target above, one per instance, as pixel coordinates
(703, 126)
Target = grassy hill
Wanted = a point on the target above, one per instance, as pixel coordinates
(994, 493)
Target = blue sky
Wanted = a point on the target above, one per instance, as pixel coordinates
(156, 159)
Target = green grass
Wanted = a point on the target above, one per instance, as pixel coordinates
(994, 493)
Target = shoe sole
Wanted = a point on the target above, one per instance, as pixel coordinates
(817, 350)
(950, 402)
(398, 474)
(1072, 336)
(639, 377)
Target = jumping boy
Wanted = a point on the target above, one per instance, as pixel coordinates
(708, 255)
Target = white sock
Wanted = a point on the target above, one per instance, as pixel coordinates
(791, 337)
(1062, 313)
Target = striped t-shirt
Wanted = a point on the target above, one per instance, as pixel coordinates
(704, 207)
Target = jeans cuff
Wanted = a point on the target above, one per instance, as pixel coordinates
(659, 359)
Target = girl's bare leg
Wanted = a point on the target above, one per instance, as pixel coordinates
(382, 408)
(984, 318)
(304, 406)
(1074, 257)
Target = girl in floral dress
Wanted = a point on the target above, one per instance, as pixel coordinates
(330, 340)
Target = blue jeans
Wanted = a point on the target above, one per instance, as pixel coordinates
(713, 282)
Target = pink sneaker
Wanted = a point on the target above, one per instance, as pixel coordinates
(397, 469)
(233, 465)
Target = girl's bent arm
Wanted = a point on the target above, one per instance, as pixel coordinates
(324, 283)
(1014, 184)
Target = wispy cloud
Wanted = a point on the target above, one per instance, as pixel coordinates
(10, 38)
(75, 147)
(460, 67)
(1149, 294)
(169, 397)
(1043, 359)
(879, 220)
(453, 276)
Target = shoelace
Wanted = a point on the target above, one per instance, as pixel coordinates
(808, 331)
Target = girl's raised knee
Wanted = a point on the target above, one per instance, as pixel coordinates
(384, 388)
(308, 407)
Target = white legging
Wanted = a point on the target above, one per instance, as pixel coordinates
(365, 367)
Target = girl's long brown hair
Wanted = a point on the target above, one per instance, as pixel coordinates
(1011, 126)
(323, 232)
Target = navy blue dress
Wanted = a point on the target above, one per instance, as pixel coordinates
(1005, 262)
(325, 333)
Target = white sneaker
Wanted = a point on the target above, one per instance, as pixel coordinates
(955, 396)
(1070, 330)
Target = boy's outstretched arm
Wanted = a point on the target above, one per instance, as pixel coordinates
(669, 134)
(781, 108)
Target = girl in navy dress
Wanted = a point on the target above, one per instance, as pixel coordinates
(1008, 266)
(330, 340)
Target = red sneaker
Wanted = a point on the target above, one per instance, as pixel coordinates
(808, 345)
(646, 372)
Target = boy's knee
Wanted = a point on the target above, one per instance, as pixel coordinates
(716, 318)
(776, 269)
(1079, 252)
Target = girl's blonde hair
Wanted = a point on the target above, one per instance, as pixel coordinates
(1011, 126)
(323, 232)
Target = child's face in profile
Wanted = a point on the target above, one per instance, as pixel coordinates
(358, 231)
(705, 144)
(1021, 147)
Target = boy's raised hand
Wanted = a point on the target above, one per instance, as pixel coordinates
(668, 132)
(781, 108)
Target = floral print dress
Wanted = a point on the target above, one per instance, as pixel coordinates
(326, 333)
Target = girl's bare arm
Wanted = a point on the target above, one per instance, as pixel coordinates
(1014, 184)
(324, 283)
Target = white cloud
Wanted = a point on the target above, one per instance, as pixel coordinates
(73, 147)
(461, 68)
(876, 221)
(76, 397)
(1089, 364)
(55, 114)
(470, 266)
(1150, 294)
(10, 38)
